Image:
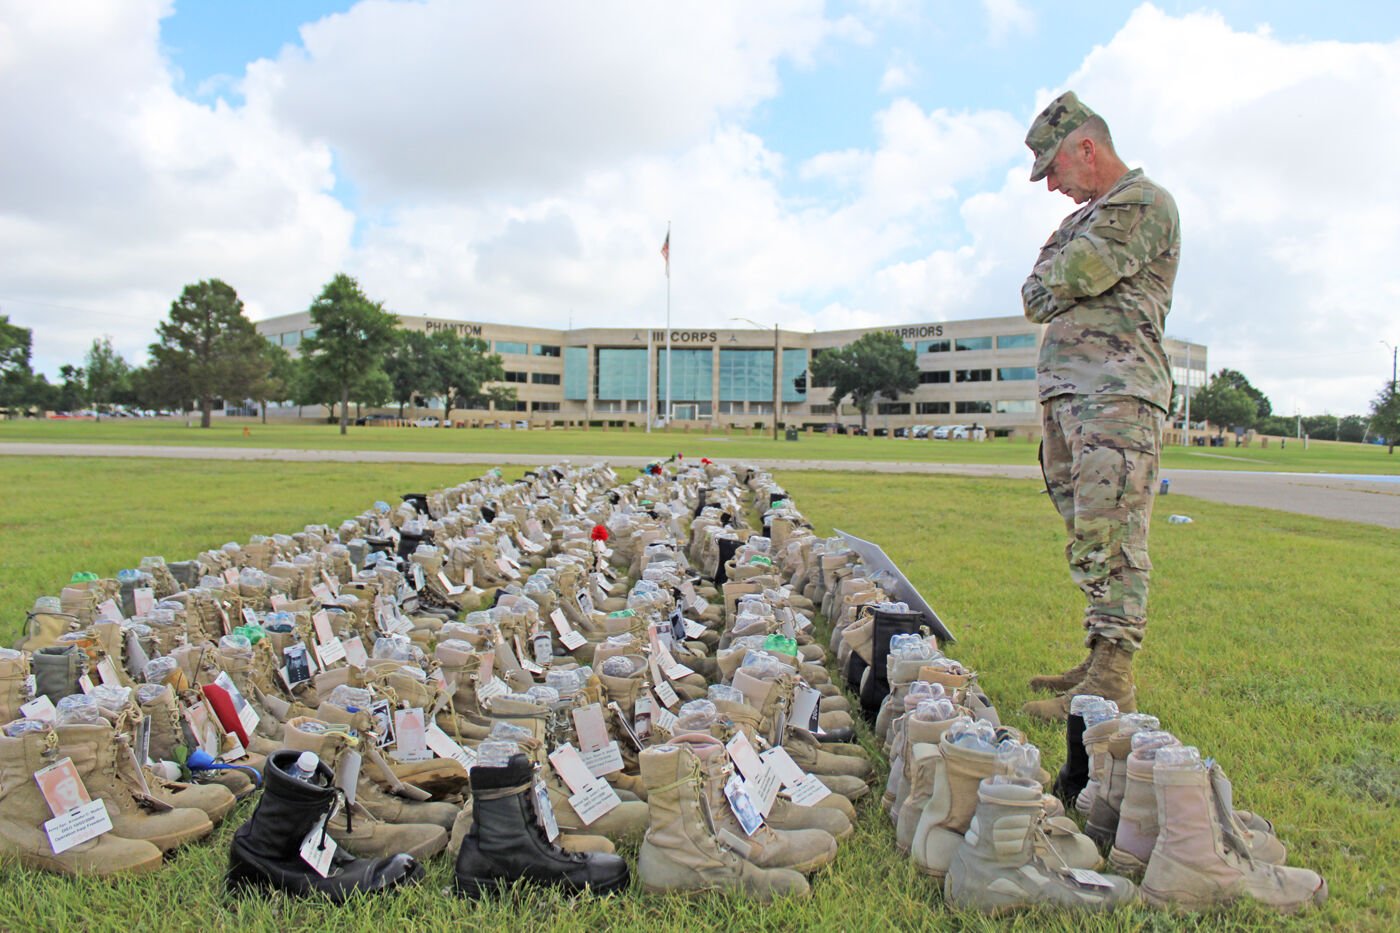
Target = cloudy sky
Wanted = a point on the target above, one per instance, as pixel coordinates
(823, 165)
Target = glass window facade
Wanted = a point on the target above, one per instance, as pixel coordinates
(621, 374)
(1015, 341)
(933, 408)
(544, 349)
(691, 382)
(935, 378)
(1015, 406)
(544, 379)
(931, 346)
(1015, 373)
(974, 408)
(746, 375)
(972, 343)
(892, 408)
(794, 365)
(545, 406)
(512, 346)
(576, 374)
(516, 377)
(974, 375)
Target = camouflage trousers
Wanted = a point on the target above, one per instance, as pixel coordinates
(1100, 457)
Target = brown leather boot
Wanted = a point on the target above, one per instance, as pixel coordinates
(1059, 683)
(1110, 676)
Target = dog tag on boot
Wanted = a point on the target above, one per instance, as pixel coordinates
(544, 812)
(318, 848)
(742, 805)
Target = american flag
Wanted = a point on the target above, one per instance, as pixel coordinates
(666, 253)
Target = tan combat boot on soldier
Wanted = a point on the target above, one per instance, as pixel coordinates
(1110, 676)
(996, 868)
(683, 850)
(1059, 683)
(23, 812)
(1201, 860)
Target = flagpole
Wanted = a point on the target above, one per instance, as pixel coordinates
(651, 369)
(669, 377)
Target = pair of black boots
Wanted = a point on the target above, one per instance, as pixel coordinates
(872, 681)
(506, 842)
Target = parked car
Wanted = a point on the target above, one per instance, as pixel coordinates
(428, 423)
(374, 419)
(920, 431)
(960, 432)
(832, 428)
(940, 433)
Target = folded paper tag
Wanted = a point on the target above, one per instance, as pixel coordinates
(442, 745)
(410, 735)
(665, 719)
(77, 826)
(247, 716)
(544, 811)
(591, 727)
(330, 651)
(742, 805)
(321, 622)
(693, 629)
(41, 708)
(447, 585)
(355, 652)
(418, 581)
(109, 610)
(495, 687)
(143, 598)
(318, 848)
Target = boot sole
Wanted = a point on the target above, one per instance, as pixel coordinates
(474, 889)
(1185, 901)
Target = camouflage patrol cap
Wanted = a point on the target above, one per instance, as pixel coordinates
(1062, 116)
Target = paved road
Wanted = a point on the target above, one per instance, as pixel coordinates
(1372, 500)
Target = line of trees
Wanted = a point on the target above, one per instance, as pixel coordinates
(1229, 401)
(208, 351)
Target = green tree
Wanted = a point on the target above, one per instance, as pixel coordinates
(409, 365)
(352, 336)
(878, 363)
(74, 389)
(1263, 407)
(1385, 414)
(461, 369)
(16, 376)
(107, 374)
(1224, 404)
(208, 349)
(277, 384)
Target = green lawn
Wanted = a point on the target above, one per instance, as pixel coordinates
(1272, 647)
(1322, 456)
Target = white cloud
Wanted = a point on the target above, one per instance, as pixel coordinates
(116, 192)
(506, 186)
(1006, 18)
(900, 73)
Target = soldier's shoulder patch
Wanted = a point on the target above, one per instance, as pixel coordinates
(1141, 191)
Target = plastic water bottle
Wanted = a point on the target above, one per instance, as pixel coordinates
(305, 767)
(1178, 520)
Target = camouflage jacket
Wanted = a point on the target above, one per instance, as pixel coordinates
(1103, 285)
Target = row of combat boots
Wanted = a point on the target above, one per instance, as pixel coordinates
(968, 799)
(503, 671)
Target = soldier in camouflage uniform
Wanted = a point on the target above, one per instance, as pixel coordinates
(1102, 286)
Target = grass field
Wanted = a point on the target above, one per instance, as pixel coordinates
(1272, 647)
(1321, 456)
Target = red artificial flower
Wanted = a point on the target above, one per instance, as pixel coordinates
(600, 533)
(706, 460)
